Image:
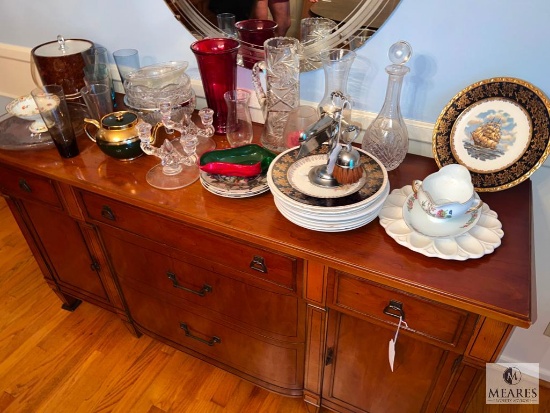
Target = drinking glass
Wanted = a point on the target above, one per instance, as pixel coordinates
(255, 32)
(300, 118)
(226, 23)
(96, 56)
(97, 97)
(127, 60)
(52, 105)
(97, 74)
(217, 62)
(239, 121)
(313, 29)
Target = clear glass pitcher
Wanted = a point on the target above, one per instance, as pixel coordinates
(282, 94)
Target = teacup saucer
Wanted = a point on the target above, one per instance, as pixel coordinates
(417, 219)
(481, 239)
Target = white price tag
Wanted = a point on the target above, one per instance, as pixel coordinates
(391, 353)
(391, 346)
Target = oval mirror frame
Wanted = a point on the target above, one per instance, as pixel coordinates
(362, 22)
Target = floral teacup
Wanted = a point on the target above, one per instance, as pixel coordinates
(447, 193)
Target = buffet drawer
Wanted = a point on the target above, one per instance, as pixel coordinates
(268, 265)
(279, 364)
(434, 321)
(269, 311)
(25, 185)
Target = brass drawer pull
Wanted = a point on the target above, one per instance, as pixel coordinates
(24, 185)
(395, 309)
(107, 213)
(258, 264)
(211, 342)
(205, 288)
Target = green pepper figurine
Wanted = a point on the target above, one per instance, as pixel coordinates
(246, 161)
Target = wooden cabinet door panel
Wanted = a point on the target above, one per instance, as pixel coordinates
(358, 376)
(66, 251)
(265, 311)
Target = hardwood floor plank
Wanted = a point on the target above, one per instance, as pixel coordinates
(173, 383)
(137, 379)
(240, 397)
(224, 390)
(118, 361)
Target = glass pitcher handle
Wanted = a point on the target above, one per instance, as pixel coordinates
(256, 81)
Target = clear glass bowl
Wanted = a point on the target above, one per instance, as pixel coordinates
(142, 97)
(157, 76)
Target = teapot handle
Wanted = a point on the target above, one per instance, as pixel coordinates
(87, 123)
(260, 92)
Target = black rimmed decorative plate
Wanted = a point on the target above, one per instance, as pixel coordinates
(497, 128)
(374, 184)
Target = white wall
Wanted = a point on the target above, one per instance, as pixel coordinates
(455, 44)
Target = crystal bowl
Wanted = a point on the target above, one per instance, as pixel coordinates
(157, 76)
(141, 97)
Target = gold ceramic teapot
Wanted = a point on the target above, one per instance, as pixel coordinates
(116, 134)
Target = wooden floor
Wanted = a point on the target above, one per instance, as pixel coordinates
(54, 361)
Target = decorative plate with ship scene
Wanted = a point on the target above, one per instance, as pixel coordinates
(497, 128)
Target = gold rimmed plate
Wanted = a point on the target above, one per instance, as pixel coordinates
(498, 128)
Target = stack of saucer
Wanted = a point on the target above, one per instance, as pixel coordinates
(232, 186)
(325, 209)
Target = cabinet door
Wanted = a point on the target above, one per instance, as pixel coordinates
(62, 245)
(358, 378)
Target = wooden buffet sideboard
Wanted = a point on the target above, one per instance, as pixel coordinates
(299, 312)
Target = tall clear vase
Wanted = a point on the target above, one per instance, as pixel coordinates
(387, 137)
(336, 65)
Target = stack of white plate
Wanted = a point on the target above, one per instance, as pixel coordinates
(326, 209)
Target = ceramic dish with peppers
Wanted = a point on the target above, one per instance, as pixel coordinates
(243, 161)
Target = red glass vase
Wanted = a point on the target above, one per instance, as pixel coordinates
(217, 62)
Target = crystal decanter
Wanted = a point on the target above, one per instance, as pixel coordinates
(387, 137)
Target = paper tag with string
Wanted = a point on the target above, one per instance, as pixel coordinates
(391, 347)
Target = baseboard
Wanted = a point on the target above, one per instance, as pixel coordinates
(544, 373)
(420, 133)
